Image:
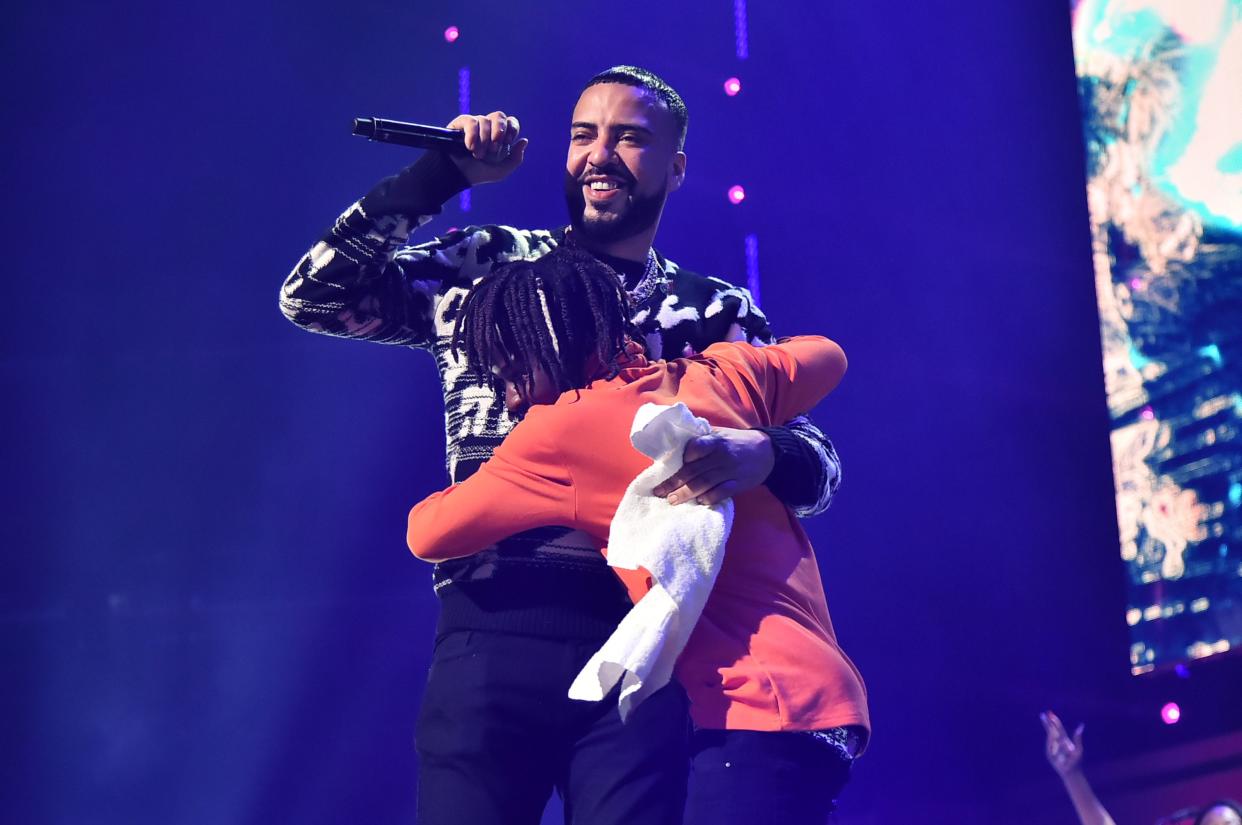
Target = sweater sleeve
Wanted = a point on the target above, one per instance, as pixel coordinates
(523, 485)
(807, 470)
(361, 280)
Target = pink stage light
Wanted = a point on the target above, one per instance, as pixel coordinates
(732, 86)
(451, 34)
(736, 195)
(1147, 414)
(1171, 714)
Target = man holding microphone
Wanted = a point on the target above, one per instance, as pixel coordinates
(496, 731)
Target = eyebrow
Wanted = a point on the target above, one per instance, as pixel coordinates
(619, 127)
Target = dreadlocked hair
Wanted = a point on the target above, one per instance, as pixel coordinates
(555, 313)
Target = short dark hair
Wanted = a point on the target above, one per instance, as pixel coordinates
(655, 85)
(554, 312)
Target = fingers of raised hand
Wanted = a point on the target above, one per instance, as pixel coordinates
(494, 126)
(482, 133)
(1052, 723)
(469, 130)
(493, 146)
(501, 133)
(1056, 738)
(486, 147)
(504, 128)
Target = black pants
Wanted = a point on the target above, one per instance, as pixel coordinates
(497, 733)
(753, 778)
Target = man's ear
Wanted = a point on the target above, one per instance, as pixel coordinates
(678, 173)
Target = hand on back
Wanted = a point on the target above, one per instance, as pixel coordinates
(719, 466)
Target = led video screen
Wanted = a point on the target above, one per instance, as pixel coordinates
(1160, 83)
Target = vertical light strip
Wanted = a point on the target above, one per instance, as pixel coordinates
(739, 26)
(463, 106)
(752, 266)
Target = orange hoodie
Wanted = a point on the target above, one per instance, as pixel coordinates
(763, 655)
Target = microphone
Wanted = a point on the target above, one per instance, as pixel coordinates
(411, 134)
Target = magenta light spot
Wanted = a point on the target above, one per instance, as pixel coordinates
(736, 195)
(1136, 284)
(732, 86)
(1171, 714)
(451, 34)
(1147, 414)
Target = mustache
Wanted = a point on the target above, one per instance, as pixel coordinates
(615, 171)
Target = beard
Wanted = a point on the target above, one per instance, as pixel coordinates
(641, 213)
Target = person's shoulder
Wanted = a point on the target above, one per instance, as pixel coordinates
(683, 278)
(709, 292)
(575, 424)
(536, 435)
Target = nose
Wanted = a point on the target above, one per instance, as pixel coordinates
(601, 153)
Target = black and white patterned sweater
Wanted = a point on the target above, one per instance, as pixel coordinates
(362, 281)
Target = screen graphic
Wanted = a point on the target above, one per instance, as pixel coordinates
(1160, 83)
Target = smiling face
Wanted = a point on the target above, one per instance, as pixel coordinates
(622, 163)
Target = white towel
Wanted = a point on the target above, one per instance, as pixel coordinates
(681, 546)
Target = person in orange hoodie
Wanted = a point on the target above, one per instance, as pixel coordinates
(779, 711)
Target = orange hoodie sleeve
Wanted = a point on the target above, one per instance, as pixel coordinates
(523, 485)
(791, 376)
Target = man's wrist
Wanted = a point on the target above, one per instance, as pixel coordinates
(787, 478)
(782, 441)
(760, 452)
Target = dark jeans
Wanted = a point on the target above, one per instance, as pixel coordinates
(753, 778)
(497, 733)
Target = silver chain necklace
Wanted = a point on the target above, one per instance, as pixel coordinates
(653, 279)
